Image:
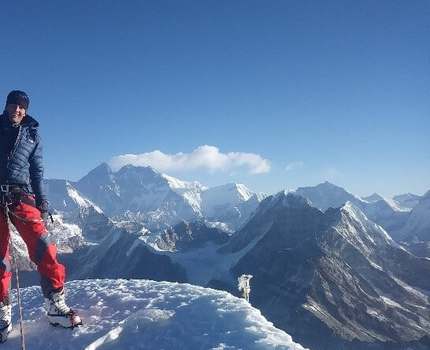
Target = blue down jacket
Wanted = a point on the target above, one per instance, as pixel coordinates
(22, 164)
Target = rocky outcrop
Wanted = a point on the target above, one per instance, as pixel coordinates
(334, 279)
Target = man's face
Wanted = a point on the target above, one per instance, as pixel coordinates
(15, 112)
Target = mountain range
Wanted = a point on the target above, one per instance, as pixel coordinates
(334, 279)
(334, 270)
(143, 194)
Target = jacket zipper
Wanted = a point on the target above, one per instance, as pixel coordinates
(15, 146)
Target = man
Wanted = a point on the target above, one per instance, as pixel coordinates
(24, 204)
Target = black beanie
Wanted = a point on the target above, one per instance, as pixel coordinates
(18, 97)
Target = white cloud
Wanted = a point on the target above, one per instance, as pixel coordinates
(202, 158)
(294, 166)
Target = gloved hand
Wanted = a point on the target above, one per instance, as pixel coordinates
(44, 212)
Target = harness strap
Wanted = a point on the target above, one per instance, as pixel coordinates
(10, 194)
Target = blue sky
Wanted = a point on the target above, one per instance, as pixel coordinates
(273, 94)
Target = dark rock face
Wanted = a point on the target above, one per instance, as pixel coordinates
(417, 227)
(123, 255)
(407, 200)
(267, 212)
(335, 280)
(100, 186)
(94, 225)
(186, 236)
(421, 249)
(383, 214)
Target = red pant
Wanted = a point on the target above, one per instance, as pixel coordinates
(27, 220)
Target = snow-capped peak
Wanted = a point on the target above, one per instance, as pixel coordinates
(229, 193)
(244, 191)
(326, 195)
(79, 200)
(366, 225)
(373, 198)
(290, 199)
(177, 184)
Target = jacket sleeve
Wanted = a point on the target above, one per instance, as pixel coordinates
(36, 172)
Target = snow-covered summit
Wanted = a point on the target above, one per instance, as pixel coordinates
(231, 192)
(290, 199)
(356, 228)
(373, 198)
(143, 194)
(142, 314)
(407, 200)
(380, 201)
(384, 211)
(180, 184)
(262, 221)
(326, 195)
(191, 191)
(232, 204)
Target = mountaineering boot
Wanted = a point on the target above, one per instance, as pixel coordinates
(58, 313)
(5, 319)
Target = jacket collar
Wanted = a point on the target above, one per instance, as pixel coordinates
(28, 121)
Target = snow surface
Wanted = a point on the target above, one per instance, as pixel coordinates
(66, 236)
(370, 229)
(231, 193)
(191, 191)
(142, 314)
(80, 200)
(177, 184)
(391, 202)
(220, 199)
(219, 225)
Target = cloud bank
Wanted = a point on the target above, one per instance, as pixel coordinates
(204, 157)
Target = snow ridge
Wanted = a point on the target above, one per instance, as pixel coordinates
(142, 314)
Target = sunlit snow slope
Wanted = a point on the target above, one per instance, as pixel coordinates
(142, 314)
